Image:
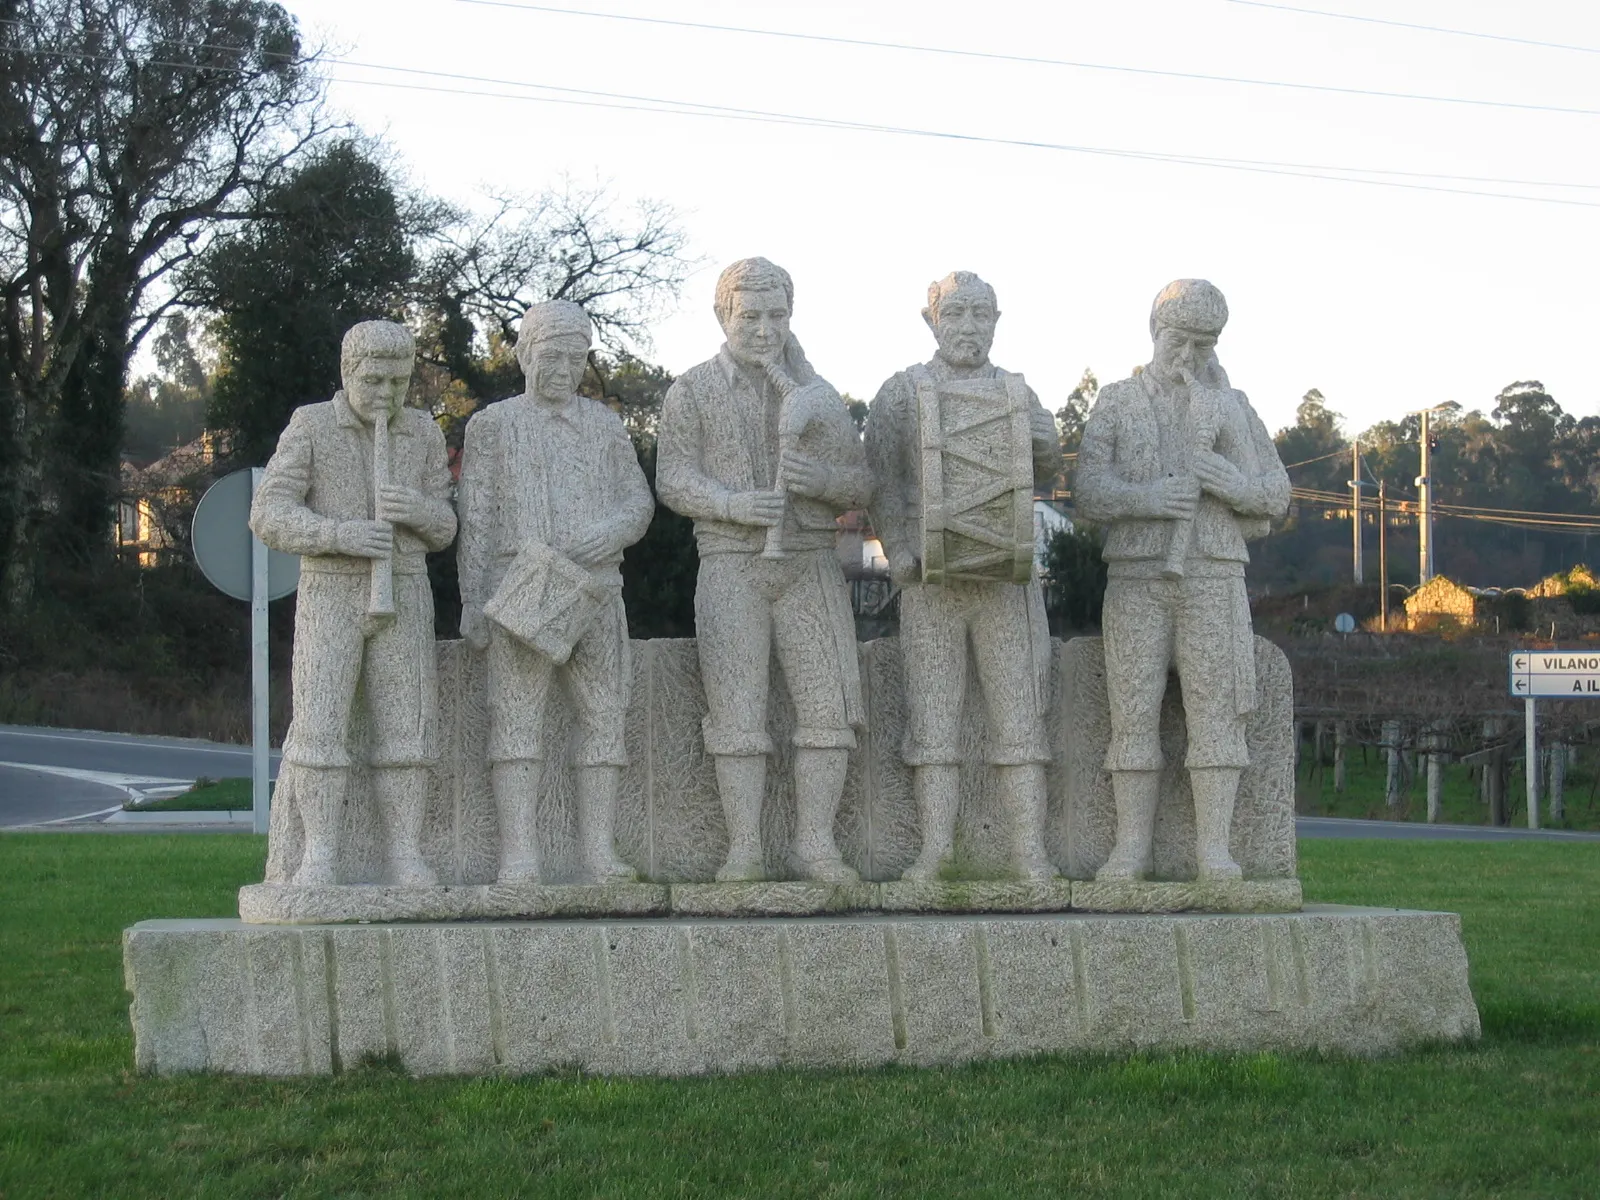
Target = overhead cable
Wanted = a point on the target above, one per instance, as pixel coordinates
(583, 97)
(615, 100)
(1035, 60)
(1305, 462)
(1466, 33)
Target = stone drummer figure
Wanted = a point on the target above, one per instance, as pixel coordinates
(1181, 468)
(752, 440)
(553, 470)
(316, 500)
(1004, 622)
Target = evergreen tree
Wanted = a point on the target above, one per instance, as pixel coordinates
(331, 246)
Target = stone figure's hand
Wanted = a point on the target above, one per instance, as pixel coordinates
(1174, 499)
(755, 508)
(1203, 369)
(904, 569)
(365, 539)
(593, 548)
(1221, 478)
(804, 474)
(474, 627)
(402, 505)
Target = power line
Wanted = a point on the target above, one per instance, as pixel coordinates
(1552, 522)
(1034, 60)
(615, 100)
(636, 103)
(1525, 523)
(1306, 462)
(1513, 512)
(881, 128)
(1468, 33)
(846, 124)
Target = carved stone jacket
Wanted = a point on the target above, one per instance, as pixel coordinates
(321, 475)
(533, 471)
(1124, 452)
(719, 437)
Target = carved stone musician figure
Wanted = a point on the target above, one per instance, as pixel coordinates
(1002, 619)
(551, 495)
(320, 498)
(731, 428)
(1183, 471)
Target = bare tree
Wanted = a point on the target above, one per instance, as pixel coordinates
(128, 130)
(572, 244)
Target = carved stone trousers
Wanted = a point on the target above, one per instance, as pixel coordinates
(390, 668)
(744, 606)
(1010, 638)
(1199, 625)
(599, 676)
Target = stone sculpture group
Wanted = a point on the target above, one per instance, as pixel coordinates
(963, 813)
(760, 451)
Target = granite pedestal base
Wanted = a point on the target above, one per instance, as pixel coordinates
(341, 904)
(683, 996)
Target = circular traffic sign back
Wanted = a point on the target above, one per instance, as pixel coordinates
(1344, 623)
(221, 540)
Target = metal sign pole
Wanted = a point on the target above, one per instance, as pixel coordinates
(1531, 749)
(259, 747)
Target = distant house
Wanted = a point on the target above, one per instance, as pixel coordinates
(157, 501)
(1580, 579)
(1567, 604)
(1441, 598)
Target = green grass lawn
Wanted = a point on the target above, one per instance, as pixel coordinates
(1367, 772)
(1516, 1115)
(207, 795)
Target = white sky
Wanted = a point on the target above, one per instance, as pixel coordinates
(1387, 299)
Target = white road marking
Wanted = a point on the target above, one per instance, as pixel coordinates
(173, 744)
(104, 812)
(116, 779)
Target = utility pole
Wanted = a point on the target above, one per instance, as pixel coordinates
(1425, 510)
(1355, 508)
(1383, 555)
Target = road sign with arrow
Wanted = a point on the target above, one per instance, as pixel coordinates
(1555, 674)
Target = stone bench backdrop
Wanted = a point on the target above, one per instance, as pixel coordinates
(669, 822)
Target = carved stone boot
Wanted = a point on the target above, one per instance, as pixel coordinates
(1136, 793)
(1215, 789)
(516, 789)
(742, 784)
(597, 823)
(402, 794)
(818, 784)
(938, 792)
(1023, 793)
(320, 793)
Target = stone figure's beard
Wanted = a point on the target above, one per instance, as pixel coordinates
(965, 353)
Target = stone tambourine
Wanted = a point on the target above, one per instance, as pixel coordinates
(546, 600)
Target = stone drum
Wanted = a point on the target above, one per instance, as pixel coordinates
(977, 479)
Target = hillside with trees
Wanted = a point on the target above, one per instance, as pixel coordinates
(1516, 489)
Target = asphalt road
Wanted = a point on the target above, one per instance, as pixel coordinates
(29, 797)
(65, 774)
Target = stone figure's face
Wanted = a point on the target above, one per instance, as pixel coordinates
(555, 367)
(964, 326)
(1178, 350)
(378, 385)
(757, 327)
